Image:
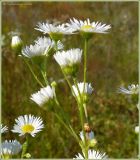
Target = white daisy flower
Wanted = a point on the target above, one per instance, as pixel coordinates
(40, 48)
(16, 43)
(34, 50)
(28, 124)
(43, 96)
(132, 89)
(3, 129)
(87, 26)
(48, 28)
(9, 148)
(83, 88)
(137, 129)
(92, 154)
(68, 58)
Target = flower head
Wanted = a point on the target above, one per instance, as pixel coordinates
(16, 43)
(53, 28)
(9, 148)
(28, 124)
(92, 154)
(132, 89)
(87, 26)
(40, 48)
(3, 129)
(43, 96)
(55, 31)
(83, 88)
(69, 59)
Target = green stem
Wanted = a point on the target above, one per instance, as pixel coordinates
(85, 69)
(85, 110)
(61, 109)
(85, 61)
(44, 77)
(58, 104)
(69, 129)
(84, 105)
(44, 73)
(81, 104)
(69, 84)
(82, 119)
(30, 68)
(24, 147)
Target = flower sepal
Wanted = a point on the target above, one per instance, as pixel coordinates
(71, 70)
(85, 98)
(86, 35)
(49, 105)
(56, 36)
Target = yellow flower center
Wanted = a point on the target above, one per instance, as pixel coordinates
(27, 128)
(86, 27)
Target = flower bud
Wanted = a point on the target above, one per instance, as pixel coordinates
(71, 70)
(27, 155)
(137, 129)
(56, 36)
(53, 84)
(16, 44)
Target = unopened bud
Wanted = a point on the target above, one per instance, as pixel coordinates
(27, 155)
(53, 84)
(137, 129)
(16, 44)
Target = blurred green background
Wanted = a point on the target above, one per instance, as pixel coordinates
(112, 62)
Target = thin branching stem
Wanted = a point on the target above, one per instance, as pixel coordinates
(69, 129)
(31, 70)
(85, 70)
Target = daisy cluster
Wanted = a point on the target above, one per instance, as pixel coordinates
(73, 26)
(56, 31)
(69, 61)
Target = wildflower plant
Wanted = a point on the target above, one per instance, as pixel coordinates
(48, 47)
